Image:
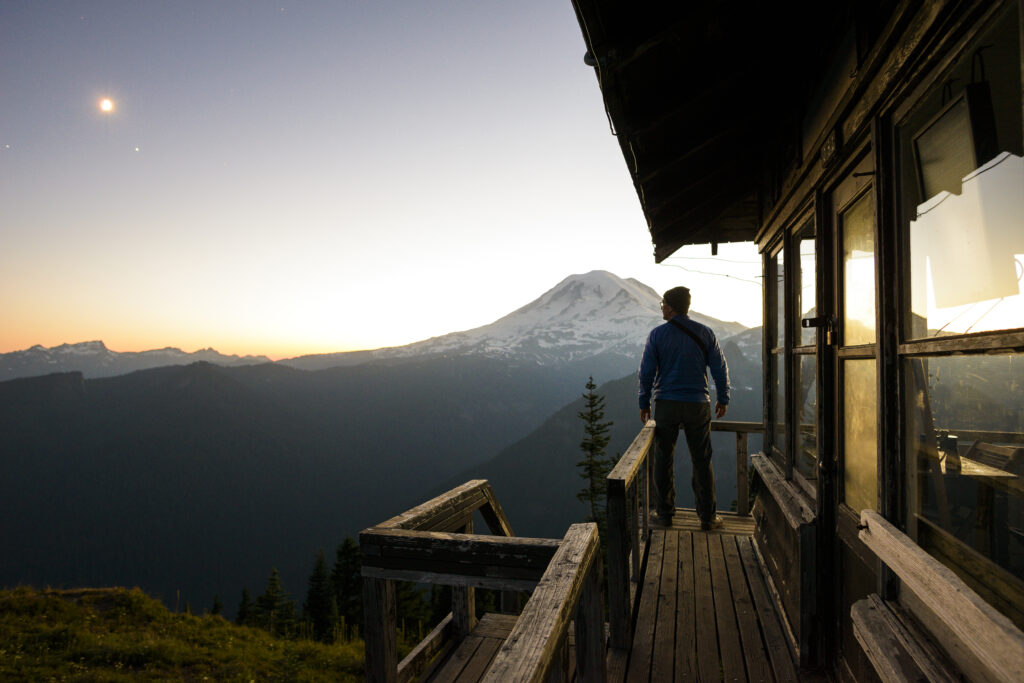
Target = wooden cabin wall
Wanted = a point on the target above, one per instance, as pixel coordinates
(797, 539)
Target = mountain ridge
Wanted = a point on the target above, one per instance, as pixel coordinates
(584, 316)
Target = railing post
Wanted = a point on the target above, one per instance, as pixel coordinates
(742, 485)
(589, 619)
(464, 602)
(379, 630)
(634, 529)
(618, 566)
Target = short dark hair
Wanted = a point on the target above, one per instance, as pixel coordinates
(679, 299)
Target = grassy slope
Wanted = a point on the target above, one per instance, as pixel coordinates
(124, 635)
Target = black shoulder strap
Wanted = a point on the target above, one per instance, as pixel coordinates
(687, 330)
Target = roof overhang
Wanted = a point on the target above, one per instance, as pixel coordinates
(700, 96)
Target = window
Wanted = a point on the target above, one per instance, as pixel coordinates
(962, 182)
(777, 355)
(805, 359)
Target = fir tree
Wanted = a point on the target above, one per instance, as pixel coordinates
(595, 465)
(245, 610)
(321, 607)
(218, 606)
(348, 584)
(274, 611)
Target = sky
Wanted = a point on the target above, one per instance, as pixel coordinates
(289, 178)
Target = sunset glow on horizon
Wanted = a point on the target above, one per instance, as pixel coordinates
(363, 175)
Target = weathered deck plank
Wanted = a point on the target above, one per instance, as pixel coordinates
(663, 657)
(643, 634)
(686, 629)
(707, 637)
(775, 641)
(746, 616)
(725, 613)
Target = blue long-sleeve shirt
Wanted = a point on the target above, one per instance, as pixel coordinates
(673, 366)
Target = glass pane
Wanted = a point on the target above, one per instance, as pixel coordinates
(860, 434)
(858, 225)
(779, 403)
(807, 413)
(806, 303)
(967, 254)
(780, 300)
(965, 454)
(961, 193)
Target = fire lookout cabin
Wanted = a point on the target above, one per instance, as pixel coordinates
(874, 151)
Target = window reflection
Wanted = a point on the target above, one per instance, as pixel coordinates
(780, 299)
(966, 464)
(967, 254)
(779, 403)
(807, 413)
(860, 434)
(806, 302)
(858, 226)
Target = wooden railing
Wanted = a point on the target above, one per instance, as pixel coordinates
(629, 519)
(983, 642)
(434, 543)
(569, 592)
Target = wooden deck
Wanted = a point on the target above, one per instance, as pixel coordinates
(473, 656)
(704, 611)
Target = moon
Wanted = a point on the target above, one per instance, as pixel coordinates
(106, 105)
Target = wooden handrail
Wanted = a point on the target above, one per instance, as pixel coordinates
(742, 430)
(569, 590)
(994, 643)
(495, 562)
(421, 545)
(623, 499)
(412, 546)
(628, 509)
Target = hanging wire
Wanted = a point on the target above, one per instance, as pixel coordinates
(704, 272)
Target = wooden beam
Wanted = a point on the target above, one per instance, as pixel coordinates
(797, 512)
(494, 515)
(628, 466)
(416, 661)
(445, 512)
(734, 426)
(532, 645)
(589, 631)
(379, 615)
(985, 342)
(464, 602)
(894, 652)
(457, 553)
(619, 607)
(742, 487)
(991, 637)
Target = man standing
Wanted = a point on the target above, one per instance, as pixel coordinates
(673, 371)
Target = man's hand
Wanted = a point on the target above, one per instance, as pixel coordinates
(645, 415)
(720, 410)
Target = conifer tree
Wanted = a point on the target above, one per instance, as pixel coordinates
(321, 607)
(274, 611)
(348, 583)
(245, 610)
(218, 606)
(595, 465)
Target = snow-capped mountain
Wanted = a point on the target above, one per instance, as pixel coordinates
(94, 359)
(583, 316)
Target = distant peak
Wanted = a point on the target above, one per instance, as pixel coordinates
(96, 345)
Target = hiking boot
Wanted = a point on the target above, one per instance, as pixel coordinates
(713, 523)
(662, 518)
